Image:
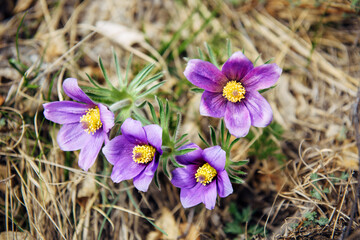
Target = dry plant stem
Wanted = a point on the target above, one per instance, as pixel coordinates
(357, 136)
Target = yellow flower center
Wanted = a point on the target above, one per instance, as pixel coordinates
(91, 120)
(205, 174)
(234, 91)
(143, 153)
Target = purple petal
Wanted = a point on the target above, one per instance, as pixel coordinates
(143, 180)
(133, 131)
(212, 104)
(216, 157)
(259, 109)
(262, 77)
(64, 112)
(72, 137)
(237, 119)
(125, 169)
(224, 187)
(205, 75)
(237, 66)
(184, 177)
(106, 117)
(154, 136)
(72, 89)
(194, 157)
(209, 195)
(190, 197)
(117, 149)
(90, 151)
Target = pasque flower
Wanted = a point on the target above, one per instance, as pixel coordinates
(135, 154)
(203, 176)
(85, 124)
(232, 93)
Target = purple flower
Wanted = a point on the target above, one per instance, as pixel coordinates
(85, 125)
(135, 154)
(203, 177)
(232, 93)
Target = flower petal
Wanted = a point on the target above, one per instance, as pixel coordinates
(237, 66)
(194, 157)
(126, 169)
(216, 157)
(224, 187)
(184, 177)
(154, 136)
(72, 137)
(237, 119)
(117, 149)
(212, 104)
(205, 75)
(143, 180)
(106, 117)
(90, 151)
(72, 89)
(262, 77)
(209, 195)
(133, 131)
(259, 109)
(64, 112)
(190, 197)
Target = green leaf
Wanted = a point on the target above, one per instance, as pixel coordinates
(268, 61)
(235, 179)
(203, 140)
(228, 47)
(118, 71)
(201, 55)
(175, 163)
(153, 114)
(184, 151)
(197, 90)
(181, 138)
(150, 90)
(222, 132)
(177, 127)
(256, 60)
(211, 55)
(233, 142)
(267, 89)
(322, 221)
(105, 74)
(92, 81)
(140, 77)
(213, 136)
(156, 179)
(161, 112)
(239, 163)
(140, 118)
(149, 81)
(167, 114)
(165, 168)
(128, 69)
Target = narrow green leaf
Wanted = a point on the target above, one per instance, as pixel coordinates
(182, 144)
(268, 61)
(140, 118)
(118, 71)
(52, 84)
(203, 140)
(239, 163)
(181, 138)
(128, 69)
(213, 136)
(197, 90)
(201, 55)
(92, 81)
(222, 132)
(233, 142)
(239, 172)
(156, 179)
(165, 167)
(184, 151)
(150, 90)
(175, 163)
(228, 136)
(141, 104)
(177, 126)
(167, 114)
(228, 47)
(161, 112)
(211, 55)
(235, 179)
(105, 74)
(149, 81)
(140, 77)
(256, 60)
(153, 114)
(267, 89)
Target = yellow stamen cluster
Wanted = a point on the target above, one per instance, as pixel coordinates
(143, 153)
(234, 91)
(205, 174)
(91, 120)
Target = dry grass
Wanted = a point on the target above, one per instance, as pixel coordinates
(44, 195)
